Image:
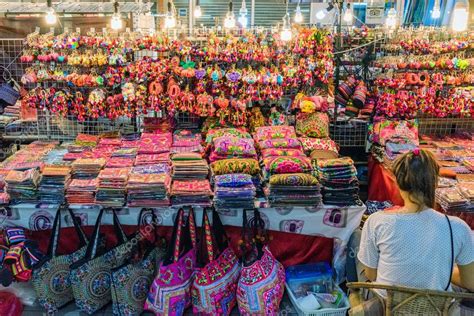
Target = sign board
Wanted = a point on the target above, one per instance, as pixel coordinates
(375, 13)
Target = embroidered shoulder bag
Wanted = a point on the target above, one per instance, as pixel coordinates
(91, 278)
(50, 277)
(170, 292)
(215, 283)
(262, 278)
(131, 281)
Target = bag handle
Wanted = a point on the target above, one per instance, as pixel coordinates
(54, 241)
(212, 237)
(192, 227)
(173, 248)
(91, 251)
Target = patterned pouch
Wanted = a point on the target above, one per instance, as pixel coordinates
(312, 125)
(262, 278)
(236, 165)
(170, 292)
(91, 278)
(214, 285)
(278, 165)
(51, 275)
(130, 282)
(274, 132)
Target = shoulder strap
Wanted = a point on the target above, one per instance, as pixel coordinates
(53, 241)
(206, 245)
(93, 242)
(121, 236)
(78, 228)
(220, 236)
(172, 254)
(452, 253)
(192, 227)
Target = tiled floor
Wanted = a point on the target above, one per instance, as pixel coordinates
(286, 309)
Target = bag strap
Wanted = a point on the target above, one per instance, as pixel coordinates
(206, 242)
(452, 253)
(56, 231)
(91, 251)
(192, 227)
(221, 238)
(173, 248)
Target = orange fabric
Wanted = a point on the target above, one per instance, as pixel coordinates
(447, 173)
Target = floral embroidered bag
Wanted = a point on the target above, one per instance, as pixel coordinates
(215, 283)
(50, 278)
(131, 281)
(262, 278)
(91, 278)
(170, 292)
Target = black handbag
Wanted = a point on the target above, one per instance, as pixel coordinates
(50, 276)
(91, 277)
(130, 282)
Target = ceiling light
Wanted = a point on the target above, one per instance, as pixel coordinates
(229, 21)
(298, 14)
(197, 10)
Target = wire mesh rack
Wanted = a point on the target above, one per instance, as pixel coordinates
(10, 52)
(444, 126)
(349, 133)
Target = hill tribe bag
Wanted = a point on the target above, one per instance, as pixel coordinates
(91, 276)
(50, 278)
(262, 278)
(170, 292)
(130, 282)
(215, 283)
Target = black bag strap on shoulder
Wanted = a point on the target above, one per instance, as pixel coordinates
(452, 253)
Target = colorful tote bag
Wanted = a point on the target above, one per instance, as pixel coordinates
(312, 125)
(91, 276)
(130, 282)
(262, 278)
(170, 292)
(214, 286)
(51, 275)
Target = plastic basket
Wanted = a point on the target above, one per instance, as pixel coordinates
(341, 311)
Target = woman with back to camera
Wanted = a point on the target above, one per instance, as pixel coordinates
(412, 245)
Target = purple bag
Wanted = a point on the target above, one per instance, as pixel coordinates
(215, 282)
(170, 292)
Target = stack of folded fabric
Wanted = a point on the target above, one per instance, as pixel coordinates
(297, 189)
(189, 166)
(338, 178)
(81, 191)
(155, 143)
(451, 199)
(238, 165)
(111, 188)
(87, 168)
(467, 191)
(149, 169)
(53, 184)
(149, 159)
(186, 141)
(148, 190)
(22, 185)
(234, 191)
(122, 157)
(191, 192)
(86, 140)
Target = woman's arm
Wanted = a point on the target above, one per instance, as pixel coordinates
(463, 276)
(370, 273)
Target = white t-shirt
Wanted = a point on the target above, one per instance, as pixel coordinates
(414, 250)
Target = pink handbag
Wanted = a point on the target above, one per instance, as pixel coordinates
(262, 278)
(170, 292)
(215, 283)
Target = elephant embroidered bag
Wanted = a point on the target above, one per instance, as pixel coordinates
(215, 283)
(262, 278)
(312, 125)
(91, 278)
(130, 282)
(170, 292)
(50, 277)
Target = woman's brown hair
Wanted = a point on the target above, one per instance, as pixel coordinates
(417, 174)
